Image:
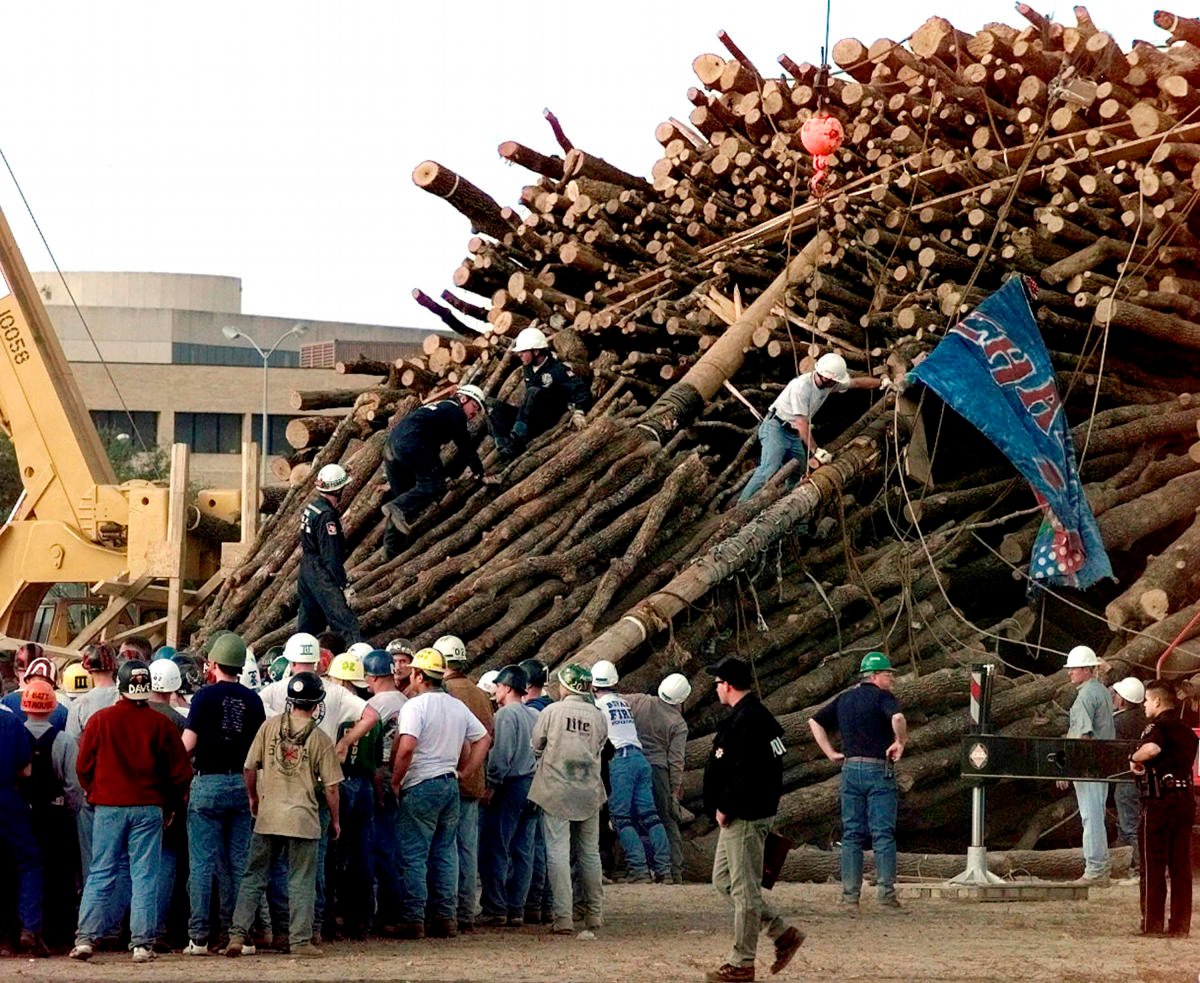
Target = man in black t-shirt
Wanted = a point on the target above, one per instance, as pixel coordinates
(1166, 757)
(873, 732)
(221, 725)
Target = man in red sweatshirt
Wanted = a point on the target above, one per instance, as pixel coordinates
(133, 767)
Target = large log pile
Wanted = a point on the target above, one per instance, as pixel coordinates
(1042, 149)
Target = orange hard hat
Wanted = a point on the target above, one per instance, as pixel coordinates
(38, 696)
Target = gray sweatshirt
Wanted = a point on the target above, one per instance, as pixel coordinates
(568, 738)
(512, 755)
(663, 733)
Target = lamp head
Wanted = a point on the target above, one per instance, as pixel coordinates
(230, 332)
(299, 329)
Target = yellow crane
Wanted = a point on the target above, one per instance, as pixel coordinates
(137, 542)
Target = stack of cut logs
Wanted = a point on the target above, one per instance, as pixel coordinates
(689, 297)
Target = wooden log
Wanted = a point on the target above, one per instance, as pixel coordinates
(323, 399)
(478, 207)
(517, 153)
(1169, 582)
(309, 431)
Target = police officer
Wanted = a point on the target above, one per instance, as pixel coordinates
(550, 387)
(413, 460)
(323, 587)
(1165, 759)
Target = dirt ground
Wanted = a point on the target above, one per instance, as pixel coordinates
(660, 934)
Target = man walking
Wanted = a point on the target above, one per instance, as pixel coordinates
(1091, 719)
(568, 739)
(873, 732)
(743, 781)
(323, 588)
(222, 722)
(288, 761)
(133, 767)
(437, 740)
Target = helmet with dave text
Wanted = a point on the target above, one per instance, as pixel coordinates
(133, 680)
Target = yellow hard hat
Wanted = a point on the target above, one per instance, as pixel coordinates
(348, 667)
(76, 679)
(431, 662)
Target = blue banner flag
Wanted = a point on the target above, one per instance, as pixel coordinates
(993, 368)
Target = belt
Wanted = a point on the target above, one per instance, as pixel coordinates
(627, 750)
(876, 761)
(228, 771)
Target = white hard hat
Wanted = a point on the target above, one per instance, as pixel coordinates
(1130, 690)
(472, 392)
(302, 647)
(487, 682)
(529, 340)
(674, 689)
(604, 674)
(1081, 657)
(360, 650)
(832, 366)
(165, 676)
(452, 648)
(332, 477)
(249, 676)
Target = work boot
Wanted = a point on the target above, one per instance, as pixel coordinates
(410, 930)
(396, 518)
(731, 974)
(235, 946)
(306, 950)
(31, 944)
(441, 928)
(786, 946)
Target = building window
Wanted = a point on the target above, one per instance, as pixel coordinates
(276, 432)
(143, 428)
(191, 353)
(209, 433)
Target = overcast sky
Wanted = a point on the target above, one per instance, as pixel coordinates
(276, 141)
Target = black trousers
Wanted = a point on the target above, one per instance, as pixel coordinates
(322, 605)
(1165, 840)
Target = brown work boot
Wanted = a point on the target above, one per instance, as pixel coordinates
(410, 930)
(234, 949)
(730, 973)
(441, 928)
(306, 950)
(786, 946)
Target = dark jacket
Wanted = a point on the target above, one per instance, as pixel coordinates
(743, 776)
(549, 389)
(422, 434)
(322, 543)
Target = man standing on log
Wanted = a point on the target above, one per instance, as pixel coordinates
(550, 387)
(743, 781)
(1130, 721)
(1166, 756)
(413, 460)
(323, 587)
(786, 432)
(1091, 719)
(874, 733)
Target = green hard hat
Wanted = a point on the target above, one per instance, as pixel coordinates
(229, 650)
(278, 668)
(875, 662)
(575, 679)
(206, 648)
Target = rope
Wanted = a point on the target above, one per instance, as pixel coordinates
(67, 287)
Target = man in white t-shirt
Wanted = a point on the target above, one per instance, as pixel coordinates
(438, 739)
(786, 431)
(386, 700)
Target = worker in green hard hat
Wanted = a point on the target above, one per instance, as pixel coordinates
(873, 733)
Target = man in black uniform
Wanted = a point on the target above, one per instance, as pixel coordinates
(743, 780)
(550, 387)
(1165, 759)
(323, 585)
(413, 460)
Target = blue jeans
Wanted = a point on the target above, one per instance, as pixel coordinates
(869, 802)
(356, 852)
(631, 806)
(322, 850)
(1129, 812)
(539, 898)
(164, 888)
(780, 443)
(1092, 797)
(132, 834)
(506, 848)
(16, 832)
(426, 836)
(119, 904)
(467, 838)
(387, 862)
(218, 825)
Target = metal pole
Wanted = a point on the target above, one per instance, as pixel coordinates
(262, 452)
(977, 873)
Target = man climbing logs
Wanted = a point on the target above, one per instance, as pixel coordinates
(413, 460)
(323, 588)
(550, 387)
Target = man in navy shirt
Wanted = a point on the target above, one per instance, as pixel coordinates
(873, 732)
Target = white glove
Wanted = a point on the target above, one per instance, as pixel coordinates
(822, 456)
(896, 385)
(349, 595)
(886, 382)
(578, 419)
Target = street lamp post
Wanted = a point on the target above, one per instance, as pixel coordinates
(231, 333)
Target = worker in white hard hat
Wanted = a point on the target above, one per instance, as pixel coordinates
(323, 589)
(664, 733)
(413, 460)
(551, 387)
(1129, 719)
(1091, 719)
(786, 431)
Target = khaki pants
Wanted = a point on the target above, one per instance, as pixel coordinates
(737, 874)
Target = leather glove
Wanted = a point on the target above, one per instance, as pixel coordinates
(822, 456)
(578, 419)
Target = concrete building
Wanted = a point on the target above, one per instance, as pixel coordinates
(154, 342)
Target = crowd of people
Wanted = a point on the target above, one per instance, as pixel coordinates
(165, 802)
